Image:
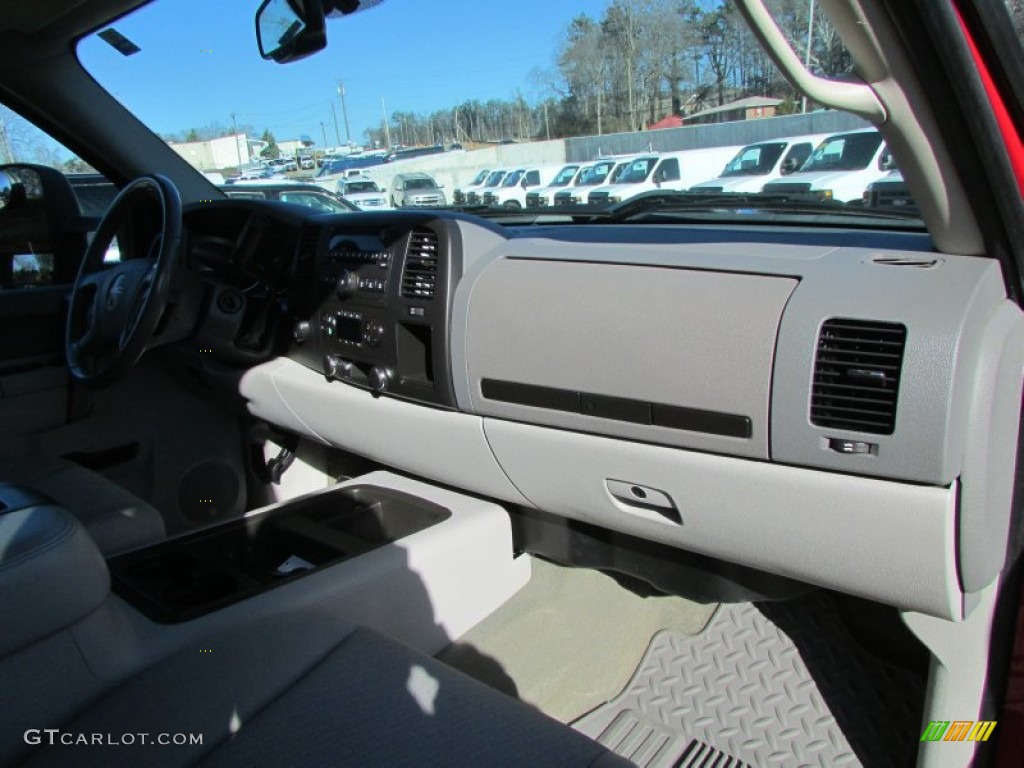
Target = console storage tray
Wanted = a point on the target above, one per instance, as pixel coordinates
(195, 574)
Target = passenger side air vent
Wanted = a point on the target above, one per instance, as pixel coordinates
(857, 375)
(305, 264)
(419, 276)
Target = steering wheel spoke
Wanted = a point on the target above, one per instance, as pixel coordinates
(115, 310)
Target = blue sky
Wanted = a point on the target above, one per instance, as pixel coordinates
(199, 62)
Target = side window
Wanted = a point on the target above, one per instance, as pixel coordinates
(796, 157)
(43, 241)
(669, 170)
(533, 178)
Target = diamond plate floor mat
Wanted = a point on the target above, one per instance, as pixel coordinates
(771, 684)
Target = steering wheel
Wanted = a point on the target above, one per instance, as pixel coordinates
(115, 308)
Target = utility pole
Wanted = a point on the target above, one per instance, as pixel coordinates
(344, 111)
(547, 125)
(234, 135)
(6, 154)
(334, 114)
(323, 130)
(807, 52)
(387, 129)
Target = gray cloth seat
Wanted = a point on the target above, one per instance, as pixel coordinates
(309, 689)
(116, 519)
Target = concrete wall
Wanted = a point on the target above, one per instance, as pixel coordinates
(735, 133)
(453, 169)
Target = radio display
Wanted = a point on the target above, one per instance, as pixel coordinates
(350, 328)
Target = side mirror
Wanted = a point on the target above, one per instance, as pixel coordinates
(886, 162)
(288, 30)
(789, 165)
(6, 189)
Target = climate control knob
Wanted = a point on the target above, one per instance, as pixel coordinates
(336, 367)
(380, 378)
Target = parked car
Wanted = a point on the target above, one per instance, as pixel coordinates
(415, 190)
(758, 164)
(840, 168)
(295, 192)
(362, 192)
(306, 162)
(890, 191)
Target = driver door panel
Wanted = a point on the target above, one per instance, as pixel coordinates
(33, 376)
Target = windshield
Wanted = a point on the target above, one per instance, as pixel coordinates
(638, 170)
(513, 178)
(851, 152)
(582, 83)
(420, 184)
(495, 179)
(756, 160)
(593, 175)
(565, 176)
(354, 187)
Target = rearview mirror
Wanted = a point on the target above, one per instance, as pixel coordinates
(288, 30)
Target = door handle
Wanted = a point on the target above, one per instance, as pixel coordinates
(643, 497)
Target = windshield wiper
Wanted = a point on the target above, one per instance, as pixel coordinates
(796, 203)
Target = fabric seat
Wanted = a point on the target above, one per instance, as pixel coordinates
(310, 689)
(116, 519)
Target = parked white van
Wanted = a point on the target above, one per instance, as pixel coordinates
(546, 195)
(840, 168)
(459, 194)
(475, 195)
(603, 172)
(762, 163)
(518, 184)
(668, 170)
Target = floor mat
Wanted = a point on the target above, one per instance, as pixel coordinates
(772, 684)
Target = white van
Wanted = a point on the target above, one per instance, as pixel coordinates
(840, 168)
(459, 194)
(518, 184)
(601, 173)
(546, 195)
(668, 170)
(758, 164)
(475, 195)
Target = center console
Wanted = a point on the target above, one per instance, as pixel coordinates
(195, 574)
(370, 303)
(414, 561)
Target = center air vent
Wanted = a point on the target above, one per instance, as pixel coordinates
(419, 276)
(857, 375)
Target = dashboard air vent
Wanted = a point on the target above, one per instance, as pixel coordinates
(305, 264)
(419, 277)
(857, 375)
